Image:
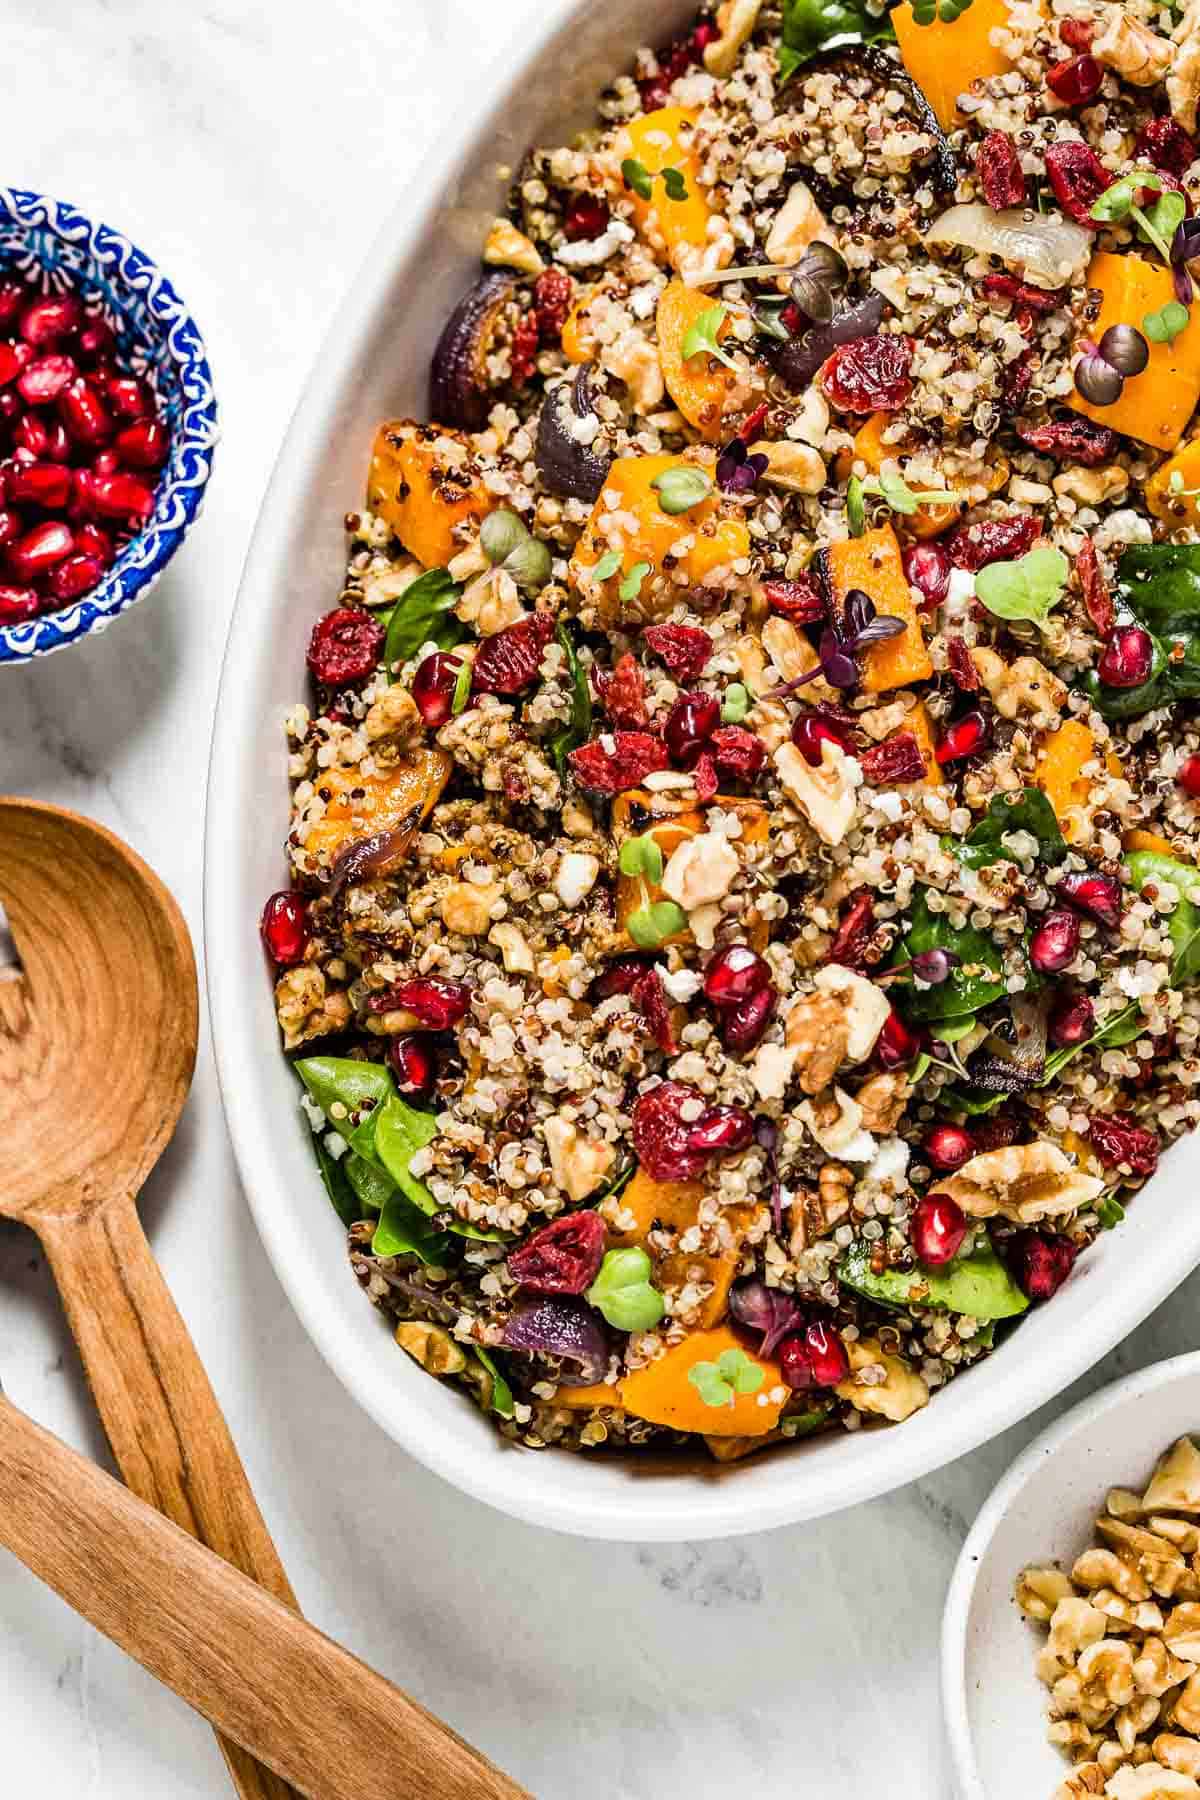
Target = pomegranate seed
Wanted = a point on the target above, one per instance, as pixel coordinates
(51, 318)
(94, 542)
(939, 1226)
(129, 398)
(948, 1147)
(742, 1026)
(722, 1128)
(10, 364)
(45, 484)
(896, 1045)
(1127, 657)
(105, 462)
(14, 297)
(734, 974)
(77, 575)
(32, 433)
(690, 723)
(1099, 896)
(1075, 80)
(964, 738)
(795, 1364)
(84, 414)
(927, 568)
(826, 1354)
(433, 686)
(1054, 943)
(142, 445)
(586, 216)
(45, 379)
(1189, 777)
(58, 445)
(437, 1003)
(1077, 33)
(18, 604)
(811, 731)
(11, 525)
(414, 1065)
(284, 927)
(1072, 1021)
(120, 496)
(10, 406)
(94, 341)
(1041, 1263)
(39, 550)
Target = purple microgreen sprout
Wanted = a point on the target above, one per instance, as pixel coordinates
(841, 647)
(932, 967)
(737, 471)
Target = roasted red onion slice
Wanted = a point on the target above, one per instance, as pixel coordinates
(765, 1309)
(458, 388)
(798, 361)
(570, 464)
(565, 1329)
(371, 856)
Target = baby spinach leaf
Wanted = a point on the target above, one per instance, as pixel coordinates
(500, 1400)
(342, 1197)
(403, 1230)
(976, 1282)
(578, 728)
(799, 1425)
(1184, 923)
(344, 1080)
(424, 614)
(974, 981)
(400, 1131)
(373, 1185)
(812, 25)
(1028, 811)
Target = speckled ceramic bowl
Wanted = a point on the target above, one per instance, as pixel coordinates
(51, 242)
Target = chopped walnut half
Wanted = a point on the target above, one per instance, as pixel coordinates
(895, 1394)
(817, 1032)
(1138, 54)
(826, 796)
(394, 726)
(1175, 1485)
(1038, 1592)
(1024, 1182)
(305, 1009)
(736, 20)
(507, 248)
(467, 906)
(1183, 76)
(798, 223)
(1025, 685)
(796, 467)
(865, 1007)
(579, 1164)
(882, 1099)
(835, 1120)
(701, 870)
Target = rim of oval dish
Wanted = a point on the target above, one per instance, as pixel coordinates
(80, 245)
(805, 1481)
(994, 1510)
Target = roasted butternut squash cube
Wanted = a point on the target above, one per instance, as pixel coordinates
(424, 483)
(660, 140)
(1183, 469)
(361, 806)
(872, 563)
(675, 1205)
(663, 1394)
(1156, 405)
(945, 58)
(699, 385)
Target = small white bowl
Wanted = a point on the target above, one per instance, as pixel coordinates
(1042, 1512)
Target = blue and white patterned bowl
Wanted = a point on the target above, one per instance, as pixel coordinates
(53, 244)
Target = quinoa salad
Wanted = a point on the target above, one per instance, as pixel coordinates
(744, 908)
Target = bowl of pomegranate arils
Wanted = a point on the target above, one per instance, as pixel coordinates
(107, 424)
(711, 732)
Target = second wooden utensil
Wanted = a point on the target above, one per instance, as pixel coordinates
(97, 1046)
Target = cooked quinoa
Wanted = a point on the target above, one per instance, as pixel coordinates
(744, 845)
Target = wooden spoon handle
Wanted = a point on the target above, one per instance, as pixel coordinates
(166, 1429)
(327, 1723)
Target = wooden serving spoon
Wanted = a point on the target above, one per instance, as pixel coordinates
(262, 1675)
(97, 1046)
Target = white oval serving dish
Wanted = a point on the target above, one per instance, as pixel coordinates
(374, 365)
(1042, 1512)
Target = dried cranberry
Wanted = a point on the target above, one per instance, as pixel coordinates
(690, 723)
(993, 540)
(996, 1131)
(345, 646)
(800, 600)
(564, 1257)
(436, 1002)
(433, 684)
(961, 664)
(284, 927)
(1041, 1263)
(896, 1045)
(44, 379)
(1017, 380)
(414, 1064)
(1078, 178)
(1076, 34)
(734, 974)
(18, 604)
(684, 649)
(998, 167)
(1117, 1138)
(1075, 80)
(650, 999)
(50, 318)
(897, 760)
(1054, 943)
(1075, 440)
(522, 351)
(634, 755)
(742, 1026)
(623, 692)
(1099, 896)
(704, 779)
(966, 737)
(508, 661)
(927, 568)
(939, 1226)
(826, 1354)
(1127, 658)
(1072, 1021)
(662, 1138)
(795, 1365)
(854, 940)
(811, 731)
(1166, 146)
(1097, 600)
(1189, 777)
(1022, 293)
(738, 754)
(585, 216)
(621, 977)
(552, 294)
(948, 1147)
(870, 375)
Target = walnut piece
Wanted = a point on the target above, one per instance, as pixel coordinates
(1074, 1625)
(796, 467)
(882, 1100)
(1037, 1592)
(826, 796)
(701, 870)
(835, 1121)
(865, 1007)
(817, 1031)
(431, 1346)
(578, 1164)
(1150, 1782)
(1138, 54)
(1024, 1182)
(736, 20)
(1025, 685)
(798, 223)
(1175, 1484)
(1183, 76)
(507, 248)
(305, 1009)
(467, 906)
(901, 1393)
(394, 726)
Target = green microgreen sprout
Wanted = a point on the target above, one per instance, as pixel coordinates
(701, 336)
(652, 924)
(1176, 488)
(733, 1373)
(890, 487)
(508, 545)
(500, 1399)
(682, 488)
(1109, 1211)
(1027, 589)
(944, 11)
(624, 1293)
(641, 856)
(631, 587)
(636, 177)
(1157, 225)
(608, 565)
(735, 703)
(1165, 325)
(675, 185)
(462, 687)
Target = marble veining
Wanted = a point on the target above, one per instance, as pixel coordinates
(799, 1662)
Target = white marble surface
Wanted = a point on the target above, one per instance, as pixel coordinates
(250, 146)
